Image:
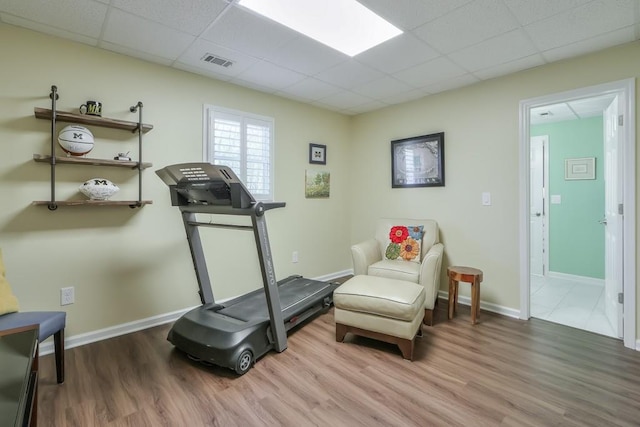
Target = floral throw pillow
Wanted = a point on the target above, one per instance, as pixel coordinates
(404, 243)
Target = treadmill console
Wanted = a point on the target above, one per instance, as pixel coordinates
(205, 184)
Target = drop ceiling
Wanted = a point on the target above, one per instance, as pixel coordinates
(446, 44)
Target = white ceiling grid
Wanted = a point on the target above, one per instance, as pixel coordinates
(446, 43)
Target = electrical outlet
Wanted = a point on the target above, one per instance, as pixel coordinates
(294, 257)
(67, 296)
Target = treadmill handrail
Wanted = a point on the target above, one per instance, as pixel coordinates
(258, 208)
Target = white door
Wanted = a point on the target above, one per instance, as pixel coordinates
(537, 224)
(612, 221)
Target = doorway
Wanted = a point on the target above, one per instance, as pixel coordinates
(609, 278)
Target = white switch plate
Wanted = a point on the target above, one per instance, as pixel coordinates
(556, 199)
(486, 199)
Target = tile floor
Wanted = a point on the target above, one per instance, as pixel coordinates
(571, 303)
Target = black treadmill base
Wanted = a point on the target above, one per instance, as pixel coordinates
(221, 334)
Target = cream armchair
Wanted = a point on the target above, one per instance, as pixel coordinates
(369, 259)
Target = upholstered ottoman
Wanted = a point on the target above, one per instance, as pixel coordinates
(384, 309)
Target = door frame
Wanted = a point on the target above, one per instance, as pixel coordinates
(627, 88)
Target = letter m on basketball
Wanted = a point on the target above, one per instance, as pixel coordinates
(100, 182)
(77, 135)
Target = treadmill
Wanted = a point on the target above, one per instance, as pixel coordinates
(236, 333)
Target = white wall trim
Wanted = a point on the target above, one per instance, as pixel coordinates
(113, 331)
(574, 278)
(626, 87)
(137, 325)
(487, 306)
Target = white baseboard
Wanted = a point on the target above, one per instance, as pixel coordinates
(137, 325)
(574, 278)
(102, 334)
(494, 308)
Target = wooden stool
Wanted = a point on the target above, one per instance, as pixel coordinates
(464, 274)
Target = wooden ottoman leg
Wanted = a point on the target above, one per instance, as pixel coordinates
(428, 317)
(406, 348)
(341, 331)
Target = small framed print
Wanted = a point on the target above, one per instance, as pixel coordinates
(317, 154)
(418, 161)
(584, 168)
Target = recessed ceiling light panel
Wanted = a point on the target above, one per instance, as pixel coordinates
(344, 25)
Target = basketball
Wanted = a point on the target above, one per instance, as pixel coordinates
(75, 140)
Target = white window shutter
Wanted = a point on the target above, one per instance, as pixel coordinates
(244, 142)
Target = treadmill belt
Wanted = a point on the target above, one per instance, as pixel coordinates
(295, 296)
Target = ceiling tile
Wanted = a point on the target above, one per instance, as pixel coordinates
(306, 56)
(269, 75)
(140, 35)
(408, 14)
(510, 67)
(446, 43)
(145, 36)
(496, 51)
(344, 100)
(528, 11)
(201, 71)
(245, 32)
(349, 73)
(397, 54)
(365, 108)
(310, 89)
(189, 16)
(381, 88)
(253, 85)
(429, 73)
(582, 47)
(591, 107)
(46, 29)
(134, 53)
(400, 98)
(593, 19)
(83, 17)
(551, 114)
(467, 25)
(192, 57)
(452, 83)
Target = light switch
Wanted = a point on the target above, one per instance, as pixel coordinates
(556, 199)
(486, 199)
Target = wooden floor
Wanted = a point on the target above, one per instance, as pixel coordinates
(501, 371)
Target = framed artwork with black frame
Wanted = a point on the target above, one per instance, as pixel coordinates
(317, 154)
(418, 161)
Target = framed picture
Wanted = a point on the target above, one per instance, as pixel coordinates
(418, 161)
(317, 154)
(317, 184)
(583, 168)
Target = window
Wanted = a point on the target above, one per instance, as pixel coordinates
(244, 142)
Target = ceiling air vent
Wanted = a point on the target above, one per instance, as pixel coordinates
(217, 60)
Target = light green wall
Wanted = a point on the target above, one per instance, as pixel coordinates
(576, 239)
(129, 264)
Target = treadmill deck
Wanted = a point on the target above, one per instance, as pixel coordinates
(296, 295)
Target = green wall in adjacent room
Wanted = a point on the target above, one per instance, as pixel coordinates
(576, 239)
